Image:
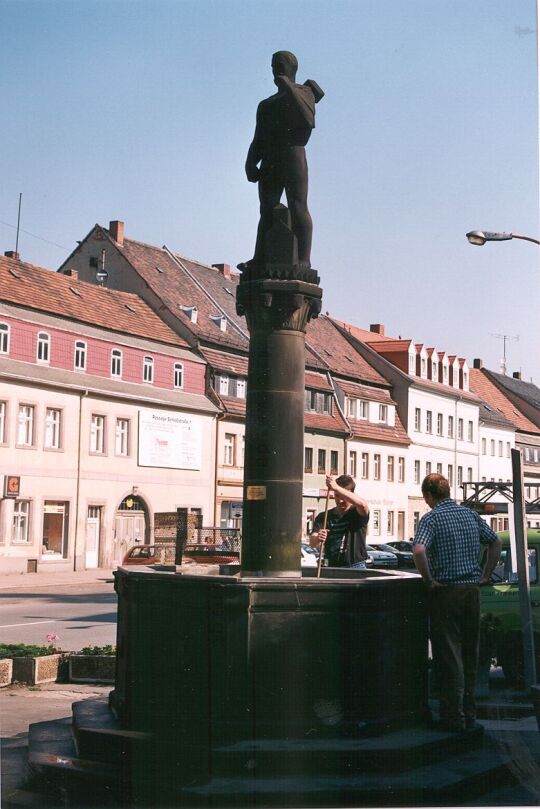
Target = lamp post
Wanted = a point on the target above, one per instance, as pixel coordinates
(480, 237)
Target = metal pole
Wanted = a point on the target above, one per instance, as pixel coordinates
(529, 662)
(18, 224)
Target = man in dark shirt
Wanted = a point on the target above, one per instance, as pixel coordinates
(343, 541)
(446, 553)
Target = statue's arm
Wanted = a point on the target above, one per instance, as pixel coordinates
(254, 155)
(302, 97)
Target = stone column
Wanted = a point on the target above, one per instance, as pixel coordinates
(278, 300)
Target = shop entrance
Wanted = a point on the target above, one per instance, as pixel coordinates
(130, 526)
(93, 525)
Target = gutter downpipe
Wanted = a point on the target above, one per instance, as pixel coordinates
(82, 395)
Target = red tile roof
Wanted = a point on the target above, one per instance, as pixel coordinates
(234, 406)
(326, 339)
(494, 397)
(34, 287)
(358, 391)
(380, 432)
(327, 423)
(226, 361)
(317, 381)
(363, 334)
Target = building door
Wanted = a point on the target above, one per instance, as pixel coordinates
(93, 524)
(129, 526)
(401, 525)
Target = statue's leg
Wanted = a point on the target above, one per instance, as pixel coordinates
(296, 189)
(270, 191)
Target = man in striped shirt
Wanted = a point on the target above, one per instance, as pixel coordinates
(447, 553)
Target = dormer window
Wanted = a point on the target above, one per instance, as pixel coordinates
(383, 414)
(219, 320)
(434, 371)
(43, 346)
(412, 364)
(191, 312)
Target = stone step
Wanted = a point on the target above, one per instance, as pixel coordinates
(401, 749)
(98, 735)
(458, 780)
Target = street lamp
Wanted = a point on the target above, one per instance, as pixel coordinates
(480, 237)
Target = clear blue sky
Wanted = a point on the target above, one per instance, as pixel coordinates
(143, 111)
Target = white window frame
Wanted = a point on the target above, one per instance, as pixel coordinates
(428, 468)
(308, 453)
(390, 468)
(417, 471)
(429, 422)
(363, 409)
(79, 357)
(97, 434)
(470, 431)
(53, 428)
(5, 334)
(3, 421)
(241, 385)
(376, 522)
(376, 466)
(440, 424)
(460, 429)
(223, 385)
(26, 425)
(43, 347)
(229, 449)
(401, 469)
(121, 437)
(450, 476)
(20, 524)
(148, 369)
(178, 375)
(364, 468)
(417, 419)
(352, 463)
(383, 414)
(450, 426)
(116, 363)
(390, 523)
(484, 446)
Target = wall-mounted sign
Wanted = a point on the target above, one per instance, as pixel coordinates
(12, 486)
(169, 440)
(256, 493)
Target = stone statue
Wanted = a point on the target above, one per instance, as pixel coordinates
(277, 159)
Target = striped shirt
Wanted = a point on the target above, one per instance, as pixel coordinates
(452, 535)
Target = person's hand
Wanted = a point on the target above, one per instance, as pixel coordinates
(252, 172)
(331, 483)
(435, 585)
(322, 535)
(282, 81)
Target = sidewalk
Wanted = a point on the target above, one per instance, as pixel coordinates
(32, 581)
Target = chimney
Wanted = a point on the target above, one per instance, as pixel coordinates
(116, 231)
(517, 375)
(224, 269)
(377, 328)
(12, 254)
(478, 363)
(72, 274)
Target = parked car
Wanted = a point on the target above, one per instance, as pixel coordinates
(378, 558)
(403, 551)
(500, 622)
(141, 555)
(310, 556)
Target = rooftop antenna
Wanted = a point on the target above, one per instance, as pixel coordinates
(18, 224)
(504, 338)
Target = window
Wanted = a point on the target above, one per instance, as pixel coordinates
(439, 468)
(417, 419)
(484, 447)
(469, 474)
(383, 413)
(508, 449)
(460, 429)
(228, 449)
(492, 447)
(450, 474)
(439, 424)
(121, 437)
(357, 408)
(97, 434)
(148, 369)
(459, 475)
(428, 468)
(470, 431)
(4, 338)
(377, 467)
(55, 529)
(178, 375)
(504, 573)
(390, 468)
(365, 466)
(3, 412)
(308, 459)
(43, 347)
(321, 461)
(417, 471)
(224, 384)
(390, 523)
(351, 408)
(429, 421)
(241, 388)
(416, 520)
(25, 431)
(363, 409)
(242, 450)
(450, 426)
(500, 449)
(52, 428)
(116, 362)
(80, 356)
(318, 402)
(377, 522)
(334, 460)
(19, 526)
(401, 470)
(352, 464)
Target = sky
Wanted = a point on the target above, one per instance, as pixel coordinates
(144, 110)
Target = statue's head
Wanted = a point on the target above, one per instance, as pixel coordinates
(284, 63)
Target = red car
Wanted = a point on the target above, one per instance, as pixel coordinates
(141, 555)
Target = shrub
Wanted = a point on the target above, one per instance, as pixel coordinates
(25, 650)
(98, 650)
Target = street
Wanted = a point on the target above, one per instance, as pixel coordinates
(79, 614)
